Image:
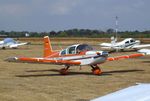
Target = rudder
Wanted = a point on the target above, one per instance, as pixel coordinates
(47, 47)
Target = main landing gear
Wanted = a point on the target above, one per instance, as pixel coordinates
(96, 70)
(3, 48)
(64, 71)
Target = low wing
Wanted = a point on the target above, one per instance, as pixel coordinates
(125, 57)
(42, 60)
(141, 46)
(106, 47)
(20, 44)
(25, 43)
(106, 44)
(15, 45)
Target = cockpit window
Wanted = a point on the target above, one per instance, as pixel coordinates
(76, 49)
(84, 47)
(127, 42)
(63, 52)
(71, 50)
(132, 41)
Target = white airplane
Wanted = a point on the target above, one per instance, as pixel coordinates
(11, 43)
(128, 43)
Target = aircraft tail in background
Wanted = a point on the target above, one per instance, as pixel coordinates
(113, 41)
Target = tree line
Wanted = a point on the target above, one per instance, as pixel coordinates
(78, 33)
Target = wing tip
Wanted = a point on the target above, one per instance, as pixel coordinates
(11, 59)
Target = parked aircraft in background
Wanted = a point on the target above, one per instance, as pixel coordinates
(128, 43)
(11, 43)
(75, 55)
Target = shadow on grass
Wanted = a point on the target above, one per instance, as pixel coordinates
(19, 48)
(105, 73)
(146, 62)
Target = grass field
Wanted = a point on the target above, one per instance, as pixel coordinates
(42, 82)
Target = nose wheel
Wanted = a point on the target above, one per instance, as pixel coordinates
(64, 71)
(96, 70)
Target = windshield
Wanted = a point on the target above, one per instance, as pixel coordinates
(132, 41)
(84, 47)
(63, 52)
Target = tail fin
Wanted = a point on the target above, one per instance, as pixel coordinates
(47, 47)
(113, 40)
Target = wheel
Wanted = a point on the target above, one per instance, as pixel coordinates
(96, 71)
(3, 48)
(64, 71)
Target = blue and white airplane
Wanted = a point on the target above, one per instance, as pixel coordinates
(11, 43)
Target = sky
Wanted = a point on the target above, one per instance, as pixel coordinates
(56, 15)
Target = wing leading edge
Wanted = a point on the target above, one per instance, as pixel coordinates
(125, 57)
(42, 60)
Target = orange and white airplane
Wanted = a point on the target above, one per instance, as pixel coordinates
(75, 55)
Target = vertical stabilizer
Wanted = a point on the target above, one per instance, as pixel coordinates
(47, 47)
(113, 41)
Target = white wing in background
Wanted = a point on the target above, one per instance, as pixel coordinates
(139, 92)
(141, 46)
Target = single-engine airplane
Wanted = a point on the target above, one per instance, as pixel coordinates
(128, 43)
(11, 43)
(75, 55)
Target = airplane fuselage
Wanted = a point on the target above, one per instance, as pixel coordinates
(86, 58)
(126, 44)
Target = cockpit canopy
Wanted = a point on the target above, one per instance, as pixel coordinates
(129, 40)
(76, 49)
(9, 40)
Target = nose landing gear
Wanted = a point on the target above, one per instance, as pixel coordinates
(96, 70)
